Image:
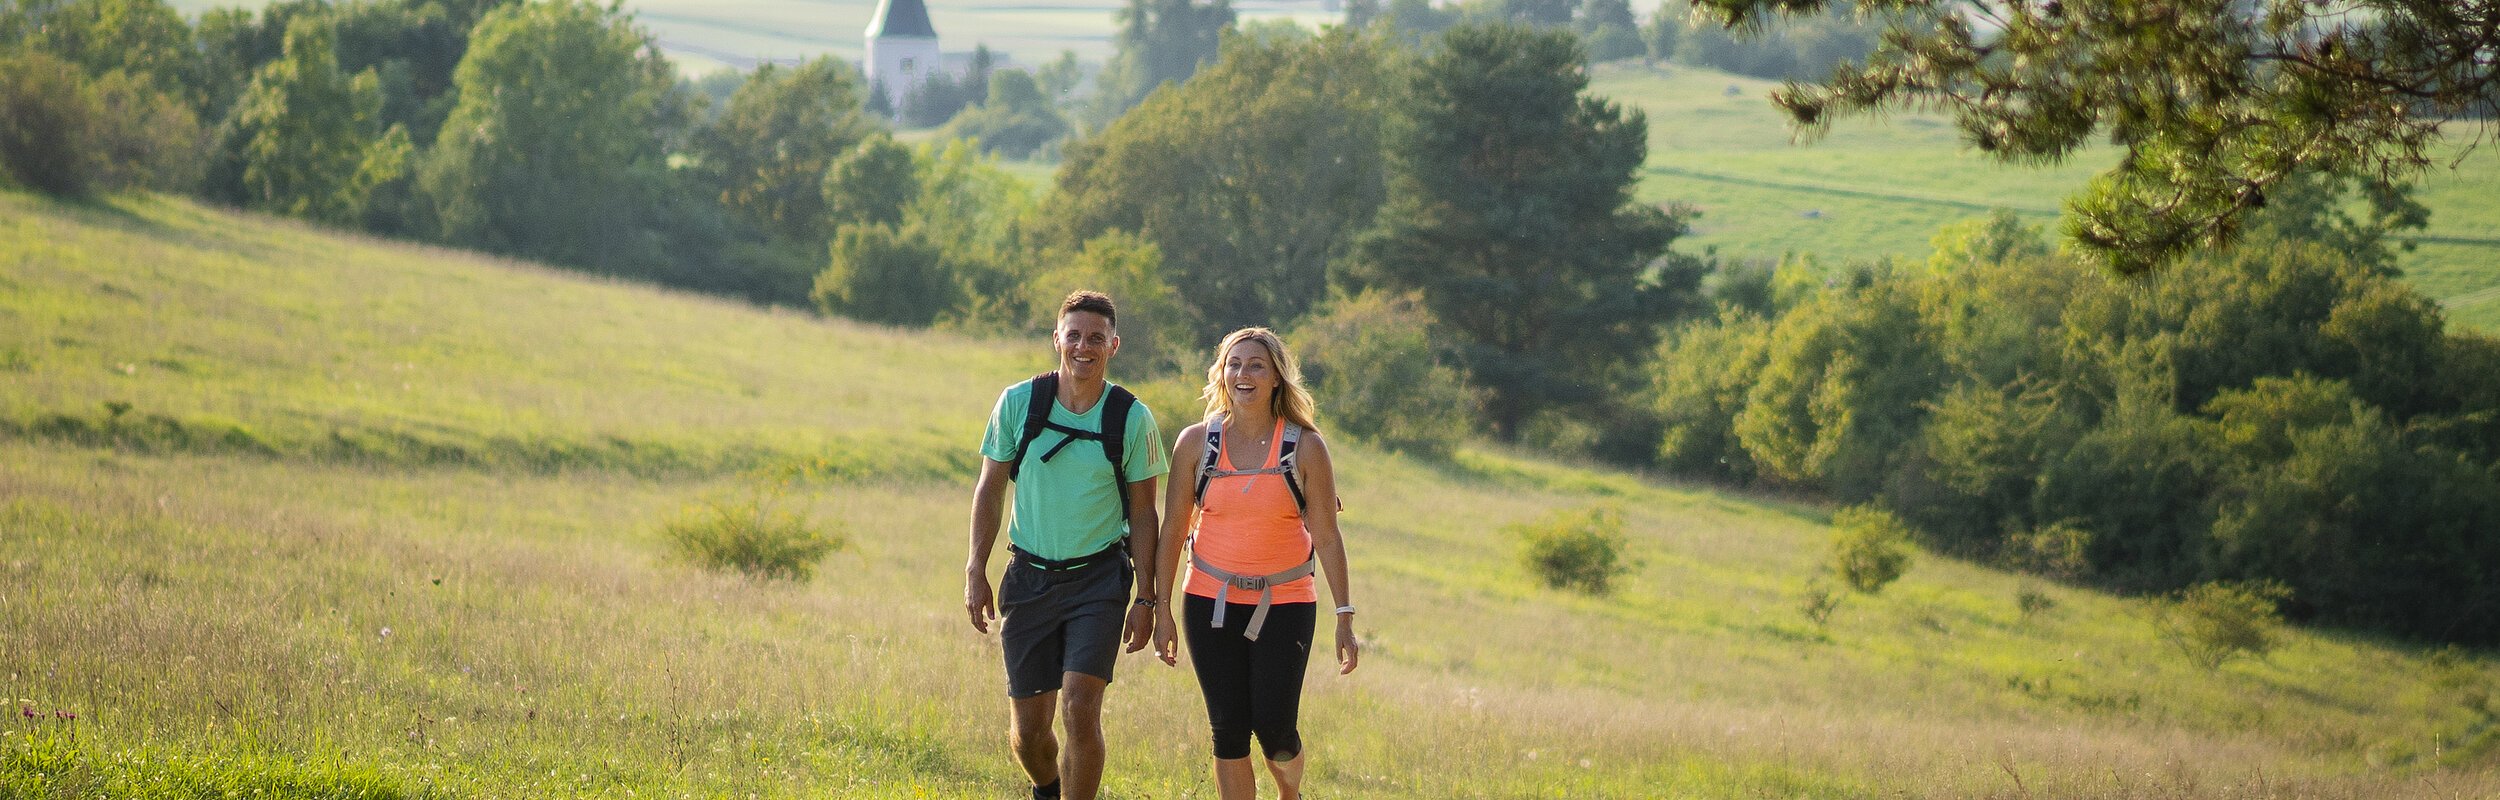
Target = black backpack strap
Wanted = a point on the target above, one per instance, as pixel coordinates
(1114, 435)
(1036, 419)
(1215, 450)
(1115, 440)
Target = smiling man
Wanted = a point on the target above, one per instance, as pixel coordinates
(1063, 605)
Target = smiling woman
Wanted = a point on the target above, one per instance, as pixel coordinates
(1265, 537)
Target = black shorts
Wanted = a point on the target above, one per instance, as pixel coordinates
(1060, 622)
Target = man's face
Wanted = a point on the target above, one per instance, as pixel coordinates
(1085, 344)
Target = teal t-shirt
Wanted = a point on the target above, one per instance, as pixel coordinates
(1067, 507)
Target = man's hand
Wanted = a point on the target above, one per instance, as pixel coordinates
(978, 601)
(1140, 628)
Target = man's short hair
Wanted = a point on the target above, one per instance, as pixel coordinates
(1090, 300)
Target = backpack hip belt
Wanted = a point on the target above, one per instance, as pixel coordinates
(1117, 551)
(1265, 585)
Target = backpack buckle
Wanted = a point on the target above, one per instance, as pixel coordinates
(1250, 583)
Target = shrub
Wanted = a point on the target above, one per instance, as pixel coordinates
(2033, 602)
(1575, 549)
(1870, 548)
(886, 276)
(1819, 601)
(1371, 363)
(757, 537)
(48, 117)
(2212, 623)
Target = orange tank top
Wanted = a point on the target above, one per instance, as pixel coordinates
(1249, 525)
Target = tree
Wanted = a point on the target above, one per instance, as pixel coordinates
(885, 276)
(1510, 212)
(1159, 42)
(1373, 366)
(146, 38)
(872, 185)
(48, 125)
(1251, 179)
(309, 138)
(2216, 101)
(767, 154)
(556, 148)
(1016, 122)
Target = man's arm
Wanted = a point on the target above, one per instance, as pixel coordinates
(1142, 549)
(989, 501)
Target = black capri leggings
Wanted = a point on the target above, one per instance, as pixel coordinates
(1251, 687)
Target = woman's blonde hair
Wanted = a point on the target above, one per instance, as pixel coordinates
(1290, 402)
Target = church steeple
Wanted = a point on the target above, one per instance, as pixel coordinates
(901, 18)
(902, 49)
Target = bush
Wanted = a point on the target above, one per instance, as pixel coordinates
(886, 276)
(1818, 601)
(1870, 548)
(48, 120)
(2033, 602)
(756, 537)
(1371, 364)
(1575, 549)
(2213, 623)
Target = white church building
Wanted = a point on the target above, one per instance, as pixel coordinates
(902, 48)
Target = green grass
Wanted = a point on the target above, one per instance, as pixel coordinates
(1880, 187)
(304, 618)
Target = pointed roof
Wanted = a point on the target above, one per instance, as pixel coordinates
(906, 18)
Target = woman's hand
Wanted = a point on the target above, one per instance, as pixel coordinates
(1349, 651)
(1167, 636)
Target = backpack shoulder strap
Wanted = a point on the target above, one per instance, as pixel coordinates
(1284, 460)
(1215, 450)
(1036, 417)
(1117, 404)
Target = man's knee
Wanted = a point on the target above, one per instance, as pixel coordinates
(1080, 698)
(1033, 716)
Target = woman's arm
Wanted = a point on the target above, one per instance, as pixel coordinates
(1319, 516)
(1180, 511)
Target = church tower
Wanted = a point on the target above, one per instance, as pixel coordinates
(902, 48)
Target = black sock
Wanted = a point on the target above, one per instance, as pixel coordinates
(1047, 792)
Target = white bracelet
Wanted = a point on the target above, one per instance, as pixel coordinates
(1346, 609)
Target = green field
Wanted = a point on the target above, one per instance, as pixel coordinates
(291, 513)
(1882, 186)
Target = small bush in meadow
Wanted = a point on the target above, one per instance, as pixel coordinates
(2212, 623)
(1818, 601)
(757, 537)
(1575, 549)
(1870, 548)
(2033, 602)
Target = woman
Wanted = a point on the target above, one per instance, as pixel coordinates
(1254, 482)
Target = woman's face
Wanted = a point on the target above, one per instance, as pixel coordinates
(1249, 375)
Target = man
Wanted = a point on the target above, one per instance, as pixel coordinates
(1084, 479)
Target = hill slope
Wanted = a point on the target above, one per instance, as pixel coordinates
(379, 520)
(1877, 187)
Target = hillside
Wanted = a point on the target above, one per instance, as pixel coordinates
(1882, 186)
(291, 512)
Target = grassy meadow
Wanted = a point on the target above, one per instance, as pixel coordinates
(294, 514)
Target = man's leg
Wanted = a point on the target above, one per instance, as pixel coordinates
(1080, 767)
(1035, 747)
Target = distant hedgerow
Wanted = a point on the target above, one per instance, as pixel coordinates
(756, 536)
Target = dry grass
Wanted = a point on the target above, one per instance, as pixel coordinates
(487, 631)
